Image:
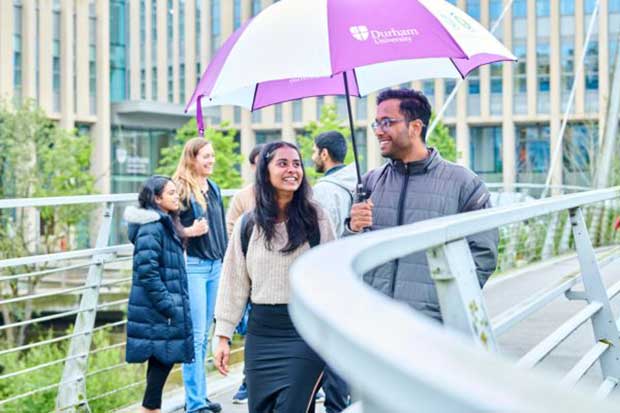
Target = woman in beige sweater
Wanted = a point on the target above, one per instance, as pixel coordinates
(282, 371)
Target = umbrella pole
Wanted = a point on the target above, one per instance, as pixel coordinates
(360, 195)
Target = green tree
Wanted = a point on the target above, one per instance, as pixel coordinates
(38, 159)
(226, 173)
(328, 121)
(441, 140)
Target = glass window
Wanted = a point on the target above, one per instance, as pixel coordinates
(297, 111)
(182, 83)
(486, 151)
(135, 155)
(320, 102)
(613, 6)
(588, 6)
(495, 9)
(520, 72)
(170, 47)
(170, 83)
(257, 116)
(237, 14)
(580, 147)
(118, 50)
(474, 82)
(278, 113)
(256, 7)
(182, 51)
(154, 50)
(591, 66)
(56, 57)
(567, 60)
(473, 8)
(532, 152)
(268, 136)
(198, 31)
(542, 66)
(92, 61)
(497, 78)
(567, 7)
(142, 50)
(237, 115)
(519, 8)
(543, 8)
(17, 51)
(428, 88)
(215, 25)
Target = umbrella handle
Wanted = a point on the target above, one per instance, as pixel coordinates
(361, 196)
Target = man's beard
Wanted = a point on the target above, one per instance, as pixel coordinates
(319, 167)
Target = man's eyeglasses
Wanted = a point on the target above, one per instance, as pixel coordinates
(384, 123)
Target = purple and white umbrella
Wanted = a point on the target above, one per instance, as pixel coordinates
(303, 48)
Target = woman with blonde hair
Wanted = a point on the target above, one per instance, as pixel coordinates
(203, 216)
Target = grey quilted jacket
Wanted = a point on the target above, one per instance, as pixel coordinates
(407, 193)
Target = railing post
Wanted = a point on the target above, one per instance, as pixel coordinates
(458, 289)
(72, 394)
(603, 322)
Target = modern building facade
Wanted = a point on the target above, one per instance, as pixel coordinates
(121, 70)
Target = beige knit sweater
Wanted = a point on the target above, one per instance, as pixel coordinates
(261, 276)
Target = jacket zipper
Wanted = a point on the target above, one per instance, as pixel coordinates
(401, 212)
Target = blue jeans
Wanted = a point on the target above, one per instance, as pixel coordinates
(203, 278)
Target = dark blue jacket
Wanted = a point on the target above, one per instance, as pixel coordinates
(158, 316)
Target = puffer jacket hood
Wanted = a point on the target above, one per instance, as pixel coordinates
(136, 217)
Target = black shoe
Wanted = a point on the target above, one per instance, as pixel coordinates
(212, 407)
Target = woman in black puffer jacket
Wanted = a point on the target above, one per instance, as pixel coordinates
(159, 327)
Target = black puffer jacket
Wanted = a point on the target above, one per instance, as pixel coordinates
(158, 317)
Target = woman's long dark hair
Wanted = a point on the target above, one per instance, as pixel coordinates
(154, 187)
(302, 214)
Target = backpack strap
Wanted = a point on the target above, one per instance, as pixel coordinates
(314, 239)
(247, 227)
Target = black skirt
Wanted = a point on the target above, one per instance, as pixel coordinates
(282, 372)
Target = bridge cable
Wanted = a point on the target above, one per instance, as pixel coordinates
(571, 98)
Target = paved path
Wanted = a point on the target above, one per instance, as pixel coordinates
(500, 295)
(504, 294)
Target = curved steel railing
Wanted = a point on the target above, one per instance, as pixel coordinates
(396, 360)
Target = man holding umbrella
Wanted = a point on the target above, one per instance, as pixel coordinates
(414, 185)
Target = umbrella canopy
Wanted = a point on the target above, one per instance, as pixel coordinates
(300, 48)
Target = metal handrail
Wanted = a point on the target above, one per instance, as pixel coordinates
(69, 255)
(415, 361)
(11, 203)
